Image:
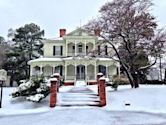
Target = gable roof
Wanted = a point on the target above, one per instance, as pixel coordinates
(79, 32)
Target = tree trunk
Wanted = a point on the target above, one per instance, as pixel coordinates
(128, 75)
(160, 70)
(136, 79)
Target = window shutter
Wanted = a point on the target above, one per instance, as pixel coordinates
(54, 50)
(73, 49)
(106, 50)
(99, 68)
(61, 50)
(98, 49)
(61, 70)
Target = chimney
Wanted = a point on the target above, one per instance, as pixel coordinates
(62, 32)
(97, 32)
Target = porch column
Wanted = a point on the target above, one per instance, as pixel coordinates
(53, 69)
(75, 49)
(119, 70)
(94, 46)
(31, 70)
(65, 71)
(95, 70)
(41, 70)
(66, 49)
(75, 69)
(106, 71)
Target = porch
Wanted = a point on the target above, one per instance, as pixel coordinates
(72, 69)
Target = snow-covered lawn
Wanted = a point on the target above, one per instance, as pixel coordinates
(147, 98)
(19, 106)
(147, 106)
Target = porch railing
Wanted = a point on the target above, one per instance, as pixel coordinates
(76, 54)
(84, 77)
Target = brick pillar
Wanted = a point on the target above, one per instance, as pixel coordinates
(102, 92)
(98, 77)
(57, 75)
(53, 92)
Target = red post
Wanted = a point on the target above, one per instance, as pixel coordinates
(53, 92)
(102, 92)
(57, 75)
(98, 77)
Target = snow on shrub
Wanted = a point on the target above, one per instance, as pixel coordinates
(35, 98)
(33, 90)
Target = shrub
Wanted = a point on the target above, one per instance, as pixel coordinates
(122, 80)
(33, 90)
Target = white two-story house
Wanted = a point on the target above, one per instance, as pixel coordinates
(77, 55)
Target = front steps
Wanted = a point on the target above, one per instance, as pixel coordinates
(79, 95)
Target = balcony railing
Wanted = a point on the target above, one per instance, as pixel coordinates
(77, 54)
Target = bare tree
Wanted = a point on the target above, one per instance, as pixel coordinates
(130, 25)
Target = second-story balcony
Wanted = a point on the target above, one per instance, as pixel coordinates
(80, 49)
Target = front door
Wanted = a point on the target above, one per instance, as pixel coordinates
(80, 72)
(102, 69)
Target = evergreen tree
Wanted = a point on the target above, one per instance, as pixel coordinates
(27, 46)
(2, 40)
(3, 49)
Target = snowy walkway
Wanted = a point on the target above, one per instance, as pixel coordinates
(92, 116)
(79, 95)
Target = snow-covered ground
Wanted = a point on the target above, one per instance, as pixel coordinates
(19, 106)
(147, 98)
(147, 106)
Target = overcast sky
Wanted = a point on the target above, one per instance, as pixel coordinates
(51, 15)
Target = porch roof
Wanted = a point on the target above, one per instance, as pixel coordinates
(104, 59)
(72, 60)
(45, 60)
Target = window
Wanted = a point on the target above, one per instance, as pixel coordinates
(102, 69)
(58, 69)
(79, 48)
(57, 50)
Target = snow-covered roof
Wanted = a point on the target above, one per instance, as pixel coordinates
(57, 38)
(100, 38)
(45, 59)
(68, 58)
(58, 59)
(77, 58)
(99, 73)
(104, 59)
